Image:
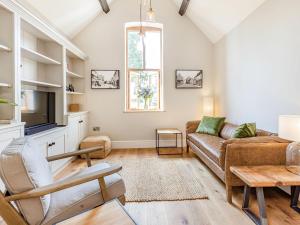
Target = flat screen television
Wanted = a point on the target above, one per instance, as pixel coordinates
(38, 111)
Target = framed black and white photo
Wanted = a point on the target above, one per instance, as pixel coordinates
(189, 79)
(105, 79)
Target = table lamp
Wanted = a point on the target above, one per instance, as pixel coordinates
(289, 128)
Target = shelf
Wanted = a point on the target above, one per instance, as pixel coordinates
(5, 85)
(74, 75)
(39, 83)
(31, 54)
(74, 93)
(4, 48)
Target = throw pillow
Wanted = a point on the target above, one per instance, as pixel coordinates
(245, 130)
(211, 125)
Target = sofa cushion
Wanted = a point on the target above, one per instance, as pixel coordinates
(211, 146)
(228, 130)
(23, 168)
(211, 125)
(72, 201)
(245, 130)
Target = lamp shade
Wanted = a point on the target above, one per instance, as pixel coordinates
(289, 127)
(208, 106)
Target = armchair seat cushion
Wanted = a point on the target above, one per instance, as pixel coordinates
(72, 201)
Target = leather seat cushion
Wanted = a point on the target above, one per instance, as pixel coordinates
(72, 201)
(211, 146)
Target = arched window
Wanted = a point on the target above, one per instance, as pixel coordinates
(144, 68)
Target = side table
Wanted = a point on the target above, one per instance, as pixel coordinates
(168, 131)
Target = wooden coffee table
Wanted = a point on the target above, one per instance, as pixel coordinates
(266, 176)
(169, 131)
(110, 213)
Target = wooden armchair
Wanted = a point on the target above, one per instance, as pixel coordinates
(39, 199)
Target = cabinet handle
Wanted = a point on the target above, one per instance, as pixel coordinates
(81, 121)
(53, 143)
(49, 145)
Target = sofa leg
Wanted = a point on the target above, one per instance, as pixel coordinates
(187, 148)
(229, 193)
(122, 199)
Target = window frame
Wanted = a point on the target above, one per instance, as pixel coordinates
(146, 27)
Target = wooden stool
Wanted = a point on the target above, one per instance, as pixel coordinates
(94, 141)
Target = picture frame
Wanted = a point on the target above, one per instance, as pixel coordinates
(188, 79)
(105, 79)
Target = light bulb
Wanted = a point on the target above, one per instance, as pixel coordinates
(151, 15)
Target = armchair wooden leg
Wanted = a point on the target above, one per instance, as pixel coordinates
(229, 193)
(88, 160)
(103, 189)
(122, 199)
(187, 148)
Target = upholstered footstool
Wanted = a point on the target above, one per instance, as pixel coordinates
(94, 141)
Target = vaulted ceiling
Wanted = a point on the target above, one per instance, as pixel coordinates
(215, 18)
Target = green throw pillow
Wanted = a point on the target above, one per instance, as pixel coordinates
(211, 125)
(245, 130)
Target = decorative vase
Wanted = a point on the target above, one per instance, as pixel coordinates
(146, 103)
(293, 158)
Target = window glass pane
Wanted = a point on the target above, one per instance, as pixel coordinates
(144, 90)
(152, 50)
(135, 50)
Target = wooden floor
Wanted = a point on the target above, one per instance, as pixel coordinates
(215, 211)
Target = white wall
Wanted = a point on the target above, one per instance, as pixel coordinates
(185, 47)
(257, 66)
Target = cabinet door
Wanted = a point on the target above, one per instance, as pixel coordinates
(5, 138)
(73, 134)
(83, 127)
(56, 147)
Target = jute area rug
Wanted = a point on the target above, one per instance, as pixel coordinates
(161, 179)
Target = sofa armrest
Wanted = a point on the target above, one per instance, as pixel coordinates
(191, 126)
(252, 154)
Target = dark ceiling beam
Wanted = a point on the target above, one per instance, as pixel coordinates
(184, 6)
(104, 6)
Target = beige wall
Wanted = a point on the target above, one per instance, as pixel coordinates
(257, 66)
(185, 47)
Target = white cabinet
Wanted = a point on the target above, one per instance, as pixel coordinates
(7, 134)
(77, 130)
(53, 142)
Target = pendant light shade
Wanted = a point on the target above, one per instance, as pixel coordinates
(151, 13)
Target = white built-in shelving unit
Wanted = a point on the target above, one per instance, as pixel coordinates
(7, 62)
(75, 69)
(35, 56)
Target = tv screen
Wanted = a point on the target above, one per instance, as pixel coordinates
(38, 108)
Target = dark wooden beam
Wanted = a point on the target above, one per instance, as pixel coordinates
(104, 6)
(184, 6)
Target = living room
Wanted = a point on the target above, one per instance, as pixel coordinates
(149, 112)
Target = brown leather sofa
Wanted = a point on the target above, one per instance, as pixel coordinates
(219, 153)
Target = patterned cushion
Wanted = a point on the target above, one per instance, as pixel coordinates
(23, 168)
(228, 131)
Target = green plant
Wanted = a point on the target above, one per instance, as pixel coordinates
(7, 102)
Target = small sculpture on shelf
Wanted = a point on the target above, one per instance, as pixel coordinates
(70, 88)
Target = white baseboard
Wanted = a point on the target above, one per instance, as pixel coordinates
(143, 144)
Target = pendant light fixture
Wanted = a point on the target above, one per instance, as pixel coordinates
(141, 43)
(151, 13)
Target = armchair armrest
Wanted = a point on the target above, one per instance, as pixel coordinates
(61, 185)
(86, 151)
(191, 126)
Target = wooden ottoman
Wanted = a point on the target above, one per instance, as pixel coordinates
(93, 141)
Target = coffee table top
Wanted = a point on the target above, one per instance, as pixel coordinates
(168, 131)
(266, 176)
(110, 213)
